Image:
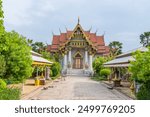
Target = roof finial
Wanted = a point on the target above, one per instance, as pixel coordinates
(60, 30)
(90, 29)
(66, 29)
(78, 20)
(104, 33)
(96, 31)
(53, 33)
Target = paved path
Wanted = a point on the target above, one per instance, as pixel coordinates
(79, 88)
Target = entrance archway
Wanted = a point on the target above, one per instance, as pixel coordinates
(78, 61)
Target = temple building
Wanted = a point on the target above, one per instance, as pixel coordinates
(78, 48)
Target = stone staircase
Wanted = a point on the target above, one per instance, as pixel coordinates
(75, 72)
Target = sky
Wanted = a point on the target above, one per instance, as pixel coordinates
(119, 20)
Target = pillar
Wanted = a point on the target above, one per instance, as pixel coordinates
(70, 57)
(86, 57)
(37, 72)
(47, 73)
(65, 61)
(91, 60)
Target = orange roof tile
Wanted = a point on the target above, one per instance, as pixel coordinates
(97, 41)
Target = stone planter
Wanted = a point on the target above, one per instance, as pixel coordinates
(117, 82)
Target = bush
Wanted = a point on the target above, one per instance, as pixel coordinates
(2, 84)
(144, 92)
(51, 73)
(10, 94)
(98, 64)
(105, 72)
(56, 68)
(17, 56)
(2, 66)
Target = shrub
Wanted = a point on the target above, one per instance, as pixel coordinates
(2, 66)
(105, 72)
(98, 64)
(56, 68)
(144, 92)
(17, 56)
(2, 84)
(51, 73)
(10, 94)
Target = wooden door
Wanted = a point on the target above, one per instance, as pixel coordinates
(78, 63)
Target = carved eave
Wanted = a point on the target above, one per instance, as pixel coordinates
(78, 26)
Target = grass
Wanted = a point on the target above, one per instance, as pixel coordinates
(98, 78)
(53, 78)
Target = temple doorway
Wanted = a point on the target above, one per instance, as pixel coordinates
(78, 61)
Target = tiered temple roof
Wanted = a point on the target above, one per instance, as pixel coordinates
(97, 41)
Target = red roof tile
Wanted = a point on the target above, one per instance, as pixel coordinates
(97, 41)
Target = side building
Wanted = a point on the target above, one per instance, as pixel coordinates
(78, 48)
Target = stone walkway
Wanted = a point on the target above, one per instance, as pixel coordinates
(79, 88)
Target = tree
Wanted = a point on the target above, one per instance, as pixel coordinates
(1, 20)
(140, 70)
(98, 64)
(115, 48)
(38, 47)
(2, 66)
(56, 68)
(16, 52)
(145, 39)
(48, 56)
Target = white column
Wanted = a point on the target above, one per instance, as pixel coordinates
(86, 57)
(70, 59)
(65, 61)
(91, 60)
(70, 56)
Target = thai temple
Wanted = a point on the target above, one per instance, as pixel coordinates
(78, 48)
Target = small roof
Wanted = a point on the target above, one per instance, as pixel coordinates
(123, 60)
(40, 59)
(120, 60)
(35, 53)
(36, 57)
(142, 49)
(118, 65)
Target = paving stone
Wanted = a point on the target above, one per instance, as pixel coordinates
(80, 88)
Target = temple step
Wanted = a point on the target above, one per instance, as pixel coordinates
(77, 72)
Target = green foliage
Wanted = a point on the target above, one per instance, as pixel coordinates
(98, 78)
(56, 68)
(2, 66)
(105, 72)
(51, 73)
(1, 20)
(140, 68)
(144, 92)
(145, 39)
(98, 64)
(16, 52)
(115, 48)
(2, 84)
(48, 56)
(10, 94)
(37, 46)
